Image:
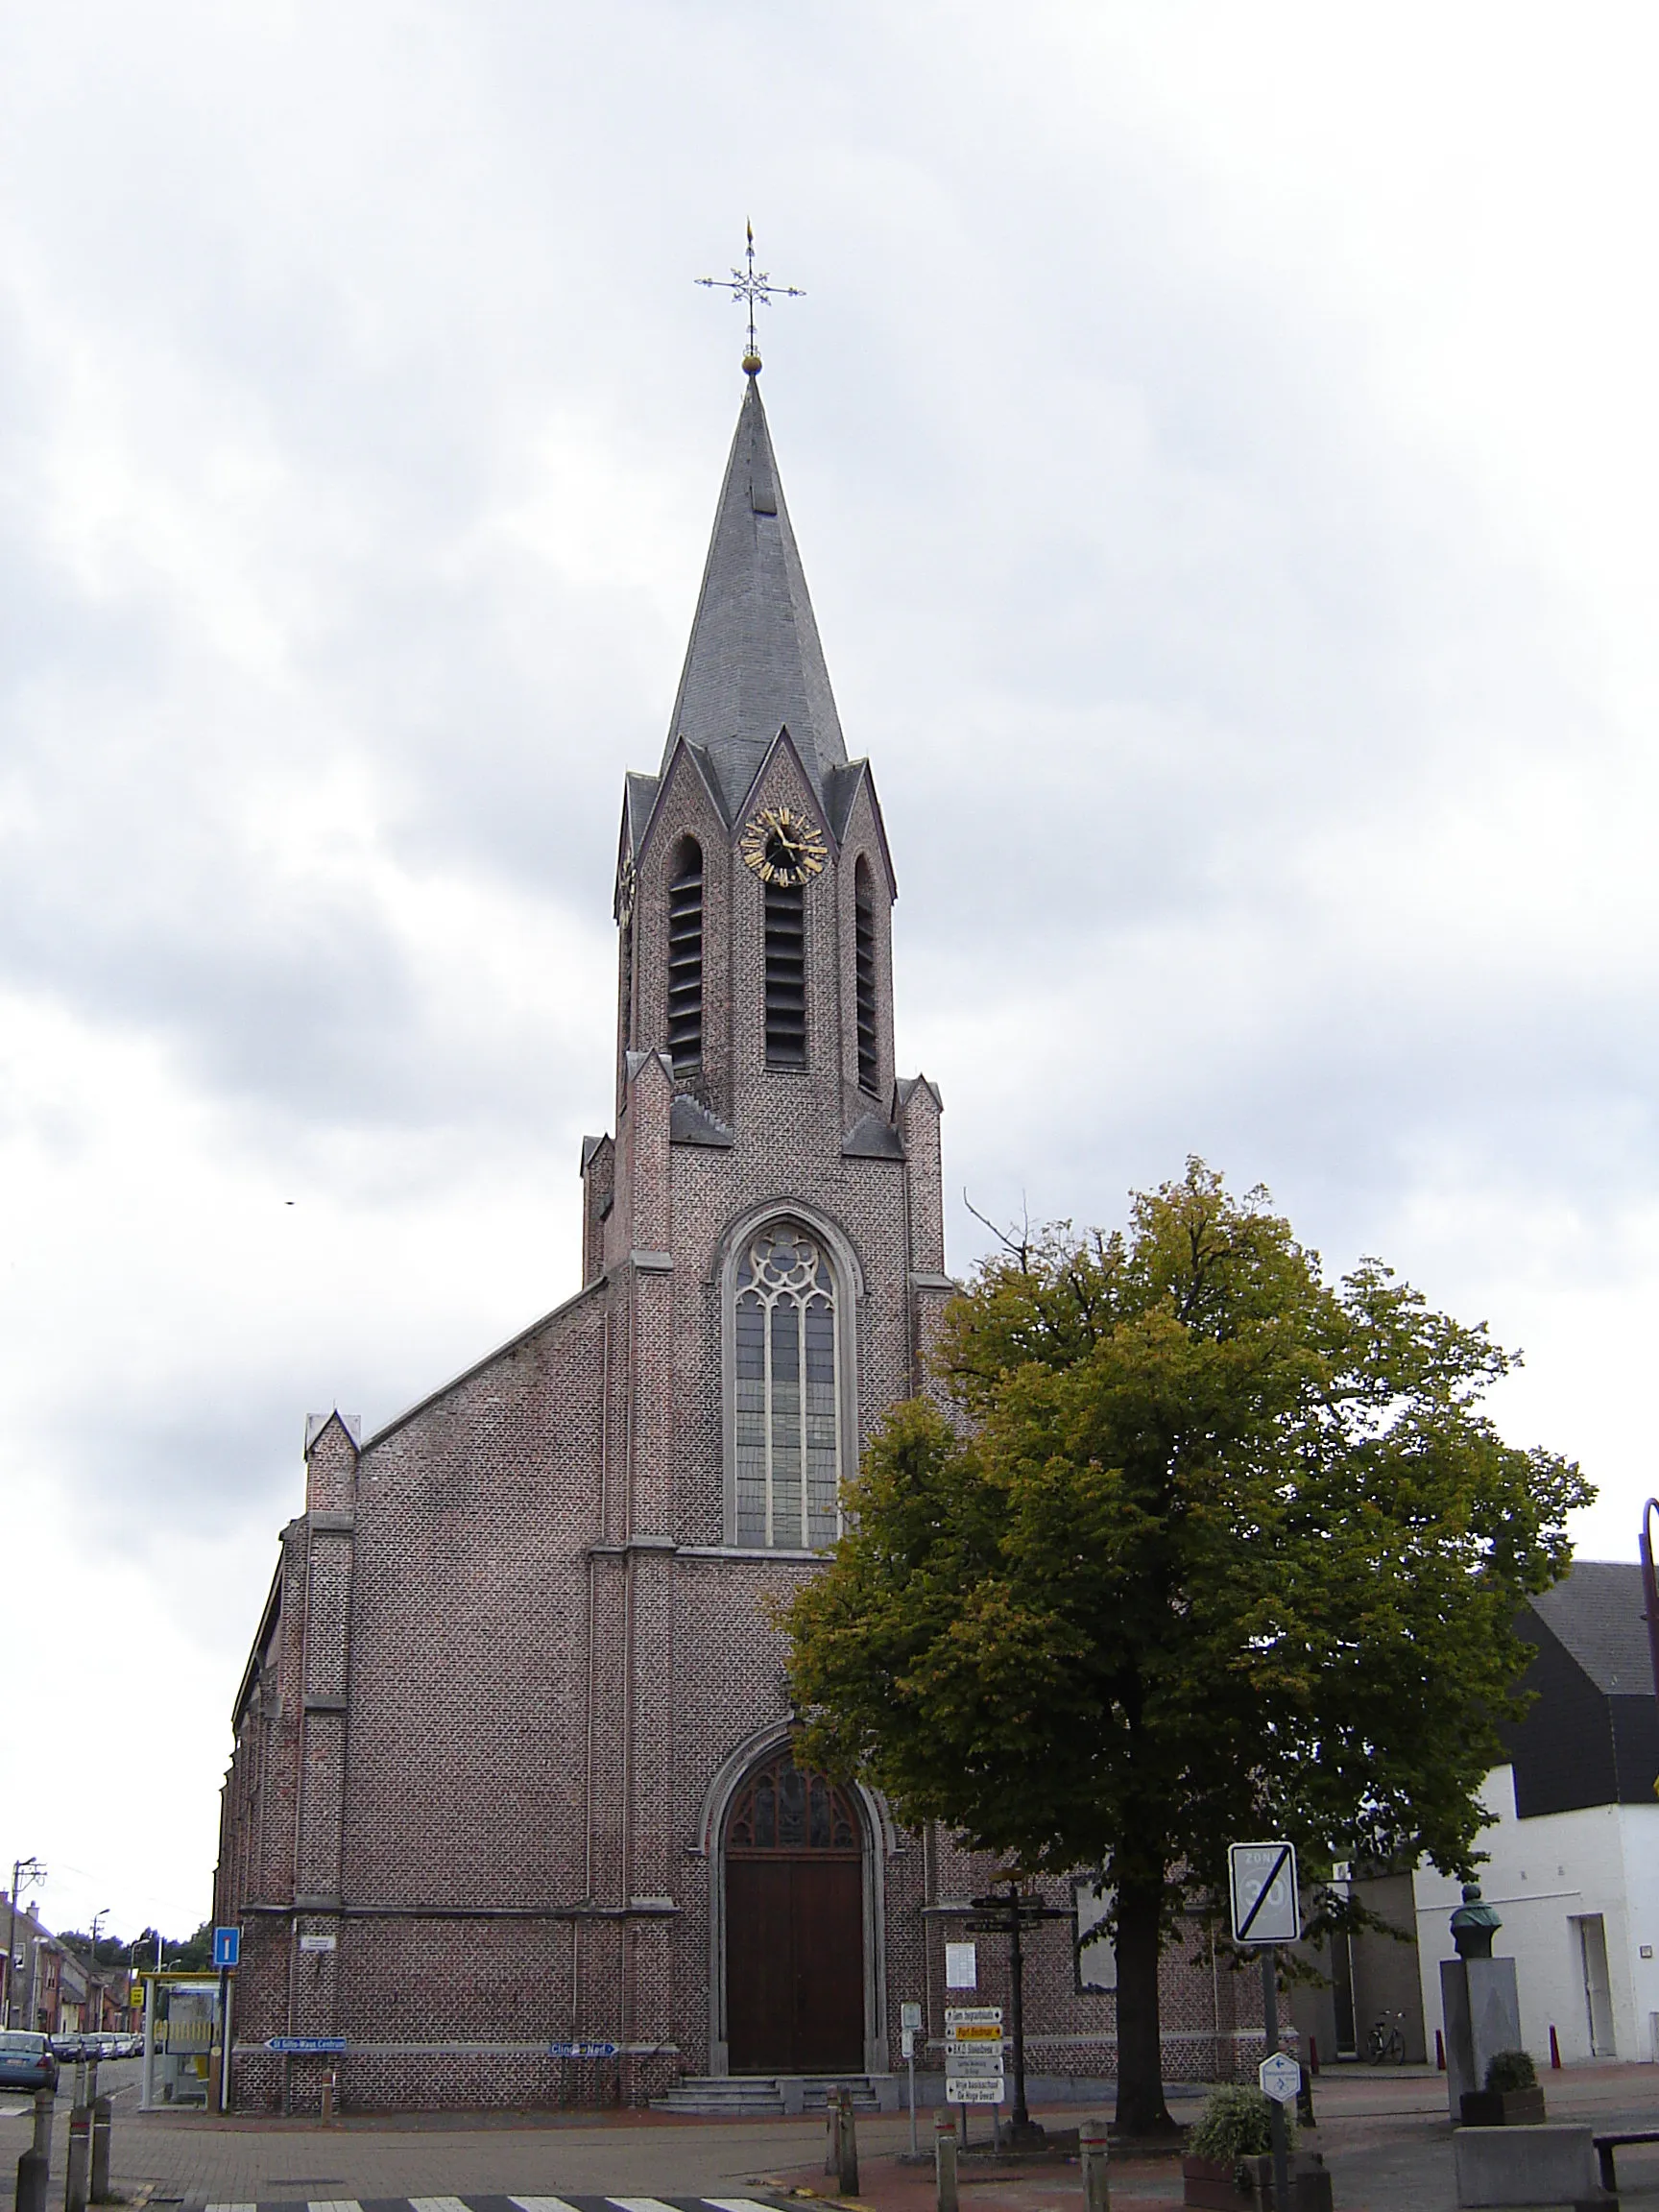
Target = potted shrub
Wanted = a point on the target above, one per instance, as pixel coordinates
(1229, 2161)
(1511, 2096)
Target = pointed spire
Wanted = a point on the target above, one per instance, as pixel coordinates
(754, 666)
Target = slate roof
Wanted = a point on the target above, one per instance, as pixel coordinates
(755, 664)
(1596, 1613)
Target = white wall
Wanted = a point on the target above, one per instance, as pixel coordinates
(1542, 1874)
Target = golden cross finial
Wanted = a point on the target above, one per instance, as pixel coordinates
(756, 287)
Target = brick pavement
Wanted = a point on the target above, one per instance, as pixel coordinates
(1386, 2136)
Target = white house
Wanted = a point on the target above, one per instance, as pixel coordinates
(1573, 1844)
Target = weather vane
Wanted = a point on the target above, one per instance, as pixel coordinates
(756, 287)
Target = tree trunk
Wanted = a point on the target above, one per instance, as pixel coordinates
(1140, 2106)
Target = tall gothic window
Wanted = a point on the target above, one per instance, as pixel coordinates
(864, 974)
(785, 975)
(686, 959)
(788, 1399)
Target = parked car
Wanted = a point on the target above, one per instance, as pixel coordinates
(26, 2060)
(70, 2047)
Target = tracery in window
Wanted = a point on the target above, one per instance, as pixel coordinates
(787, 1390)
(782, 1807)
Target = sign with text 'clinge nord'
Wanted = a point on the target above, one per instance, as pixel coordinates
(1263, 1880)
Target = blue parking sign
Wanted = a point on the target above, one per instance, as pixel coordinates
(226, 1945)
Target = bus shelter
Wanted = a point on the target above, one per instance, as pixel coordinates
(182, 2030)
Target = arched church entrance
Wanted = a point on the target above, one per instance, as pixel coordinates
(794, 1923)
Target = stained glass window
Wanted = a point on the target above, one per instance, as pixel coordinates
(783, 1807)
(788, 1440)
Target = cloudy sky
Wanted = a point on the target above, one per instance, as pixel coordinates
(1222, 446)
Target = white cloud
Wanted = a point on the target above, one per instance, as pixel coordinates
(1221, 449)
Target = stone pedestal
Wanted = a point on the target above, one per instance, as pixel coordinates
(1483, 2015)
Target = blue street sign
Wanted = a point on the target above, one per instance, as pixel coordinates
(306, 2046)
(226, 1946)
(583, 2050)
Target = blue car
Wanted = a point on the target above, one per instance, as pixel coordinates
(26, 2060)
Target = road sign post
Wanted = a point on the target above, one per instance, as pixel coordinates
(1267, 1910)
(909, 2028)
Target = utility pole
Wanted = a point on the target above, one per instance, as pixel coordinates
(31, 1871)
(92, 1983)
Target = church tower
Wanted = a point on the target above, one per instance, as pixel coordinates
(514, 1779)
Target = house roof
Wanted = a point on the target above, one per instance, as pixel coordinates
(1597, 1615)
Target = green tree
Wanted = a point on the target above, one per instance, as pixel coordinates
(1211, 1549)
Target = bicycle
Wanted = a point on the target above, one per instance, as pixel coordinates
(1385, 2041)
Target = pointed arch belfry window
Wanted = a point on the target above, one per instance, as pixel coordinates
(864, 976)
(686, 959)
(787, 1391)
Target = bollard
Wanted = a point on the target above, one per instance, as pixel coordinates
(1439, 2051)
(847, 2178)
(1554, 2050)
(945, 2160)
(76, 2171)
(330, 2086)
(101, 2115)
(32, 2173)
(1092, 2147)
(831, 2129)
(44, 2103)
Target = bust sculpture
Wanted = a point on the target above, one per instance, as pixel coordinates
(1474, 1924)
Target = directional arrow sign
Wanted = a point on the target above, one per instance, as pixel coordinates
(971, 2066)
(958, 2090)
(1280, 2078)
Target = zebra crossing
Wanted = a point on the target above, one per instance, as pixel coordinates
(498, 2204)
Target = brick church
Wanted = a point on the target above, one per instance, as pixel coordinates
(513, 1758)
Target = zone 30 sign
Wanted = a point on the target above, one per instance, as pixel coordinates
(1262, 1879)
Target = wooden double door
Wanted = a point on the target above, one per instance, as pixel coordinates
(794, 1926)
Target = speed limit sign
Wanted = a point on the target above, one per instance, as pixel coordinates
(1262, 1878)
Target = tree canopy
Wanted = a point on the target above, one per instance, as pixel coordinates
(1191, 1546)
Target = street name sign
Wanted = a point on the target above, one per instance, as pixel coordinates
(970, 2016)
(1280, 2078)
(1263, 1880)
(583, 2050)
(227, 1947)
(305, 2046)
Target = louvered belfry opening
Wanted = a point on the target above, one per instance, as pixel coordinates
(686, 959)
(785, 975)
(864, 973)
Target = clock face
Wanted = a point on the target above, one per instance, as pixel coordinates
(625, 889)
(783, 846)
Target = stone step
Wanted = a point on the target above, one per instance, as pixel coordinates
(741, 2095)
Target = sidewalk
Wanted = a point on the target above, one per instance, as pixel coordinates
(1385, 2135)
